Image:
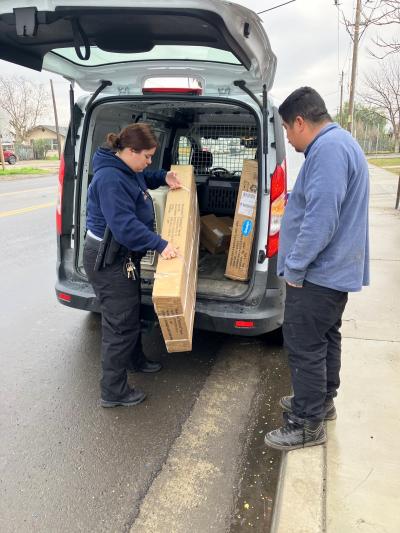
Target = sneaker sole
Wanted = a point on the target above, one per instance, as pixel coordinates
(327, 417)
(296, 447)
(105, 403)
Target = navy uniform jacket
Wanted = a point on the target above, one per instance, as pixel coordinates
(117, 197)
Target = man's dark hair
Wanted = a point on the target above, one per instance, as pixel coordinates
(304, 102)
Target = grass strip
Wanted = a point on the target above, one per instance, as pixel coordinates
(23, 170)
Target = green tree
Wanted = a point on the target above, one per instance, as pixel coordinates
(40, 148)
(369, 127)
(367, 116)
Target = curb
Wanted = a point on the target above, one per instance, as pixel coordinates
(300, 501)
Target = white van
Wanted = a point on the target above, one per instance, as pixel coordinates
(133, 57)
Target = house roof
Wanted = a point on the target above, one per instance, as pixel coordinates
(62, 129)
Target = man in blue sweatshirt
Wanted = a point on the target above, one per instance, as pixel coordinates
(323, 255)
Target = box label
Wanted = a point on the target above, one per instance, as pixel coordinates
(247, 226)
(247, 203)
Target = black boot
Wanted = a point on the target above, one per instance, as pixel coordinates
(146, 366)
(330, 411)
(134, 397)
(296, 433)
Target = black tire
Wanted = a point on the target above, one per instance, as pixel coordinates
(275, 337)
(12, 160)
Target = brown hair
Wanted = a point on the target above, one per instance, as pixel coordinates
(138, 136)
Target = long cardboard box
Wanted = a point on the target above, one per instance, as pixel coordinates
(237, 266)
(174, 291)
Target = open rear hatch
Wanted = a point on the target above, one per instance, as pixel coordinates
(213, 41)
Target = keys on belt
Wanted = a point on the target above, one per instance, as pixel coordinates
(130, 268)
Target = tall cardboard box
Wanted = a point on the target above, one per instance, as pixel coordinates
(174, 291)
(237, 266)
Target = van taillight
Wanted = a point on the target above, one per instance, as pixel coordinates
(61, 173)
(276, 208)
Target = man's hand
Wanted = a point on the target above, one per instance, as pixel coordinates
(172, 180)
(294, 285)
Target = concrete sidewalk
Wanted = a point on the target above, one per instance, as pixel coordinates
(352, 484)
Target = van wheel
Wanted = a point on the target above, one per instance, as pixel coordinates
(12, 160)
(275, 337)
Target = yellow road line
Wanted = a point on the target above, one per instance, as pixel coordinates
(25, 209)
(28, 190)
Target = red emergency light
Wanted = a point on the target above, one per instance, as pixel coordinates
(64, 297)
(244, 324)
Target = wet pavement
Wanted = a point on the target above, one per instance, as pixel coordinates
(68, 465)
(261, 465)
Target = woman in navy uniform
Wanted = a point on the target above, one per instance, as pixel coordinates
(118, 201)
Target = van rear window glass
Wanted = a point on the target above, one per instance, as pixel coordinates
(158, 53)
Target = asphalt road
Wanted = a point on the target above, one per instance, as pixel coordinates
(190, 458)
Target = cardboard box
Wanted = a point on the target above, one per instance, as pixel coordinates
(237, 266)
(215, 233)
(175, 280)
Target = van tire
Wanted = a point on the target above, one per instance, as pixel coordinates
(275, 337)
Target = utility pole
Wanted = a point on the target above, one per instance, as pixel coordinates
(341, 100)
(354, 67)
(1, 152)
(56, 120)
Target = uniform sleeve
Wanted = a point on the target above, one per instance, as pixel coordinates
(154, 179)
(325, 186)
(119, 210)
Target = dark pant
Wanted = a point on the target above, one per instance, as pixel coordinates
(119, 299)
(313, 317)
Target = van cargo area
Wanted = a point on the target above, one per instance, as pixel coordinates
(213, 137)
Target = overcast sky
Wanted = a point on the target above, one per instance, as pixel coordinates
(310, 45)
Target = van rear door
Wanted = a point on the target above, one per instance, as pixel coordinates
(213, 41)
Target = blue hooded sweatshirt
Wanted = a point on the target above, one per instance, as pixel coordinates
(324, 233)
(118, 197)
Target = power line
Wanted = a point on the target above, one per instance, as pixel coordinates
(275, 7)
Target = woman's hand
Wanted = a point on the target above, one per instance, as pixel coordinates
(172, 180)
(169, 252)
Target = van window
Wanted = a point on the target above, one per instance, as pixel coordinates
(184, 150)
(159, 52)
(229, 146)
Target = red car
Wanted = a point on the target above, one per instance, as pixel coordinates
(10, 157)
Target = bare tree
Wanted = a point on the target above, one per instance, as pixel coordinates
(388, 15)
(383, 93)
(381, 13)
(24, 102)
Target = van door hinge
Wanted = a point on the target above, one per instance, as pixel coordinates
(261, 256)
(26, 21)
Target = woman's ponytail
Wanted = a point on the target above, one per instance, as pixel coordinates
(113, 140)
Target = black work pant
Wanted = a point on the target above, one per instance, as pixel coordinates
(119, 299)
(311, 332)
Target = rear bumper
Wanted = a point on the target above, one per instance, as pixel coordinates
(221, 317)
(266, 317)
(77, 295)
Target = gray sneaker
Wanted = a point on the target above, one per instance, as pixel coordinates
(296, 434)
(330, 410)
